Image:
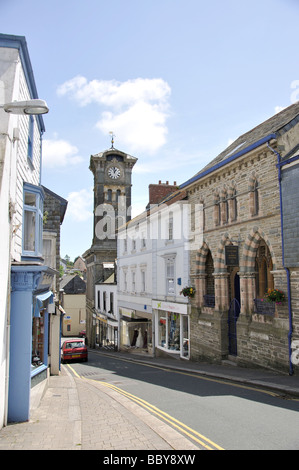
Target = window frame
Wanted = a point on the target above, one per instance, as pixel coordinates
(170, 263)
(37, 209)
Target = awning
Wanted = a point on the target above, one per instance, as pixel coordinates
(39, 299)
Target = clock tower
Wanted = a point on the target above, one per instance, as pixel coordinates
(112, 173)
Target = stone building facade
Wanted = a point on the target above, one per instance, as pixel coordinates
(238, 199)
(112, 172)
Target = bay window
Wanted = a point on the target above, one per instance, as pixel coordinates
(32, 221)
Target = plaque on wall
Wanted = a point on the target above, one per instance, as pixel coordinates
(232, 255)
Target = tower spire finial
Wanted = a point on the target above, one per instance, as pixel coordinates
(112, 139)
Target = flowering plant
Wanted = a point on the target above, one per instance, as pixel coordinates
(274, 295)
(188, 292)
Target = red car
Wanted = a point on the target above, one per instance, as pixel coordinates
(74, 349)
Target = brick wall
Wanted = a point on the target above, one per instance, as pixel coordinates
(159, 191)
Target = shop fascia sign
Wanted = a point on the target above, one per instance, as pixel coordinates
(126, 312)
(170, 307)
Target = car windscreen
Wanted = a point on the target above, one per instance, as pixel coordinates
(75, 344)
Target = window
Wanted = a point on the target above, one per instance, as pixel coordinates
(209, 296)
(30, 138)
(33, 221)
(217, 210)
(255, 199)
(125, 281)
(143, 281)
(133, 282)
(99, 300)
(254, 203)
(170, 286)
(234, 205)
(225, 209)
(104, 301)
(170, 226)
(133, 244)
(109, 195)
(111, 302)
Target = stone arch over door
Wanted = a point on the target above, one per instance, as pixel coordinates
(222, 275)
(248, 267)
(201, 275)
(247, 263)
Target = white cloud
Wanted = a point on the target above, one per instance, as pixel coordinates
(80, 205)
(59, 153)
(135, 110)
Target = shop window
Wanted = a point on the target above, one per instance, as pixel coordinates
(169, 330)
(33, 221)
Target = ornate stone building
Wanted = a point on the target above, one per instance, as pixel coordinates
(238, 197)
(112, 171)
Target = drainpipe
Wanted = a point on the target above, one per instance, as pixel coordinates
(291, 369)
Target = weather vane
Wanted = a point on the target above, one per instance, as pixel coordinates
(112, 138)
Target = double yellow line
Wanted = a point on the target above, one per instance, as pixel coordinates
(183, 428)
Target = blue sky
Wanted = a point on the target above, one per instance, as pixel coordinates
(175, 80)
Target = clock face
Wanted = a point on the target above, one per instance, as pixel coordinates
(114, 172)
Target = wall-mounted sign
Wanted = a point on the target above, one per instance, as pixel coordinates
(232, 255)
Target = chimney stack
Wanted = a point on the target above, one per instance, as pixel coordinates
(157, 192)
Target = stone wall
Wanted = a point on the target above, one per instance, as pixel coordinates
(262, 340)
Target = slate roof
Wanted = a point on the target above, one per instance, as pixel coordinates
(273, 127)
(73, 284)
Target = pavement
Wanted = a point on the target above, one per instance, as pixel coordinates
(61, 417)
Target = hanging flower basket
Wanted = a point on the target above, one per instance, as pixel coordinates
(274, 295)
(188, 292)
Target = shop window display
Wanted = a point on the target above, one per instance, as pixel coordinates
(38, 340)
(169, 330)
(173, 333)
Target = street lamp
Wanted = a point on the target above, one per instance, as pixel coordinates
(26, 107)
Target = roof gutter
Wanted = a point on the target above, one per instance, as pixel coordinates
(251, 147)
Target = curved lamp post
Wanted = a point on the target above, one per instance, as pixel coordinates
(29, 107)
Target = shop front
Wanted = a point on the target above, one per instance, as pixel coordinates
(135, 330)
(106, 332)
(172, 328)
(31, 306)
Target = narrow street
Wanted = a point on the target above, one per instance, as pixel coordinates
(212, 413)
